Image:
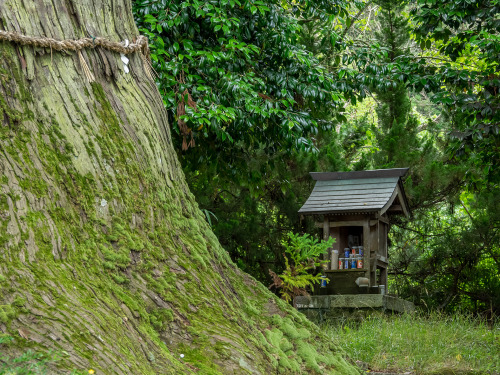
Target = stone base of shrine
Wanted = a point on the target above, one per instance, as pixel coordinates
(350, 306)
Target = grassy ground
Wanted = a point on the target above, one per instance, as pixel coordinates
(421, 344)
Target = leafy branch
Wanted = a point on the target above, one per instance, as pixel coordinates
(304, 252)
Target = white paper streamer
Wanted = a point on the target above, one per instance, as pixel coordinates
(125, 59)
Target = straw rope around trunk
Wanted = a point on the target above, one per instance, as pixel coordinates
(74, 44)
(140, 45)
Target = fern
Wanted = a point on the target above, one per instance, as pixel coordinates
(304, 252)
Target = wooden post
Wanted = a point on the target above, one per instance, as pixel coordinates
(374, 251)
(367, 249)
(382, 237)
(326, 228)
(335, 233)
(326, 236)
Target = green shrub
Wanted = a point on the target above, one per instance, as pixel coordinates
(304, 252)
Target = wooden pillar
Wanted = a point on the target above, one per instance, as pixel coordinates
(326, 236)
(367, 250)
(383, 252)
(374, 250)
(383, 239)
(326, 228)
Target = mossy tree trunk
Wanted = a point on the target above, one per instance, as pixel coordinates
(104, 254)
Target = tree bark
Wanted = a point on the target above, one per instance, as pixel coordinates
(104, 254)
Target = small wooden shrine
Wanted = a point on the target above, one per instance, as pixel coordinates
(356, 208)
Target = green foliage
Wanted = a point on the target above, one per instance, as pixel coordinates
(466, 79)
(273, 92)
(28, 363)
(420, 343)
(448, 259)
(303, 249)
(251, 92)
(396, 130)
(304, 252)
(235, 72)
(260, 95)
(208, 216)
(439, 259)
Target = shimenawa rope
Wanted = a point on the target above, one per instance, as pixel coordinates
(140, 45)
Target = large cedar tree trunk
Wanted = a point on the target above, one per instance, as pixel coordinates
(104, 254)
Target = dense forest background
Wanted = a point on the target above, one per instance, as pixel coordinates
(260, 93)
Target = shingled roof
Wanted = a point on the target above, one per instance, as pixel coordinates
(357, 192)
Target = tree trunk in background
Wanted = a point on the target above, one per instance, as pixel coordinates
(104, 254)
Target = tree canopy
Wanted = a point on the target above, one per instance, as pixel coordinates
(262, 92)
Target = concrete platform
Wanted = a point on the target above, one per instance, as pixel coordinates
(343, 306)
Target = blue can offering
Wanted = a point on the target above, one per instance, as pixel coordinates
(323, 281)
(347, 251)
(354, 263)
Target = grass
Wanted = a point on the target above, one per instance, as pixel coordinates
(420, 344)
(30, 362)
(26, 364)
